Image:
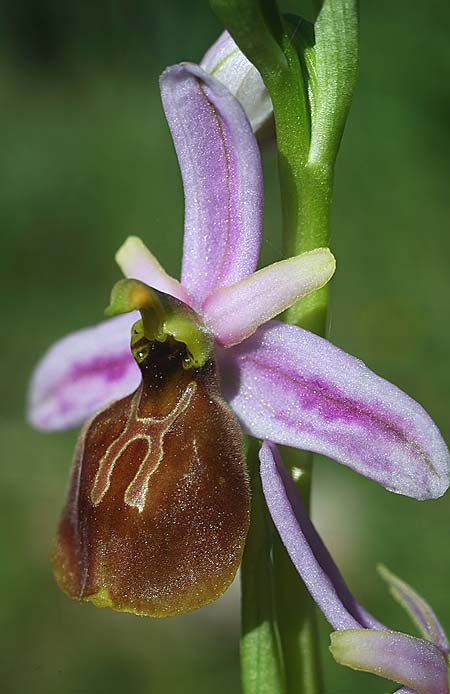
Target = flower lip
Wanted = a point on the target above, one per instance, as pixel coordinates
(158, 505)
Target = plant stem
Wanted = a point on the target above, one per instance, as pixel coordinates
(311, 87)
(261, 666)
(306, 198)
(306, 183)
(296, 615)
(303, 229)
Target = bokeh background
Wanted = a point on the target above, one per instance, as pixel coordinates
(85, 160)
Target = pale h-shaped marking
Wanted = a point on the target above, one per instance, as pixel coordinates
(136, 492)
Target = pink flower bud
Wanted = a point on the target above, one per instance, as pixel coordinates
(229, 65)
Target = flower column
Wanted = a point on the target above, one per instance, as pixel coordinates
(310, 72)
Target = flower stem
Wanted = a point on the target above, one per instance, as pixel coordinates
(306, 198)
(296, 614)
(310, 72)
(261, 666)
(306, 157)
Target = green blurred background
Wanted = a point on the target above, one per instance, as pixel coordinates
(86, 159)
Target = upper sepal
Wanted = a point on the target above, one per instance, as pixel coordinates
(222, 178)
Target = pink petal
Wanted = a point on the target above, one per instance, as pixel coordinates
(81, 373)
(418, 609)
(415, 663)
(305, 547)
(136, 261)
(295, 388)
(221, 169)
(236, 311)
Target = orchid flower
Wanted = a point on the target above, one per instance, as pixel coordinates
(229, 65)
(157, 511)
(360, 641)
(161, 553)
(283, 382)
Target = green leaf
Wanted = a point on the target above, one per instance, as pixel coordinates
(263, 36)
(332, 72)
(256, 27)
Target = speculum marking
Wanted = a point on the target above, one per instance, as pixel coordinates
(152, 431)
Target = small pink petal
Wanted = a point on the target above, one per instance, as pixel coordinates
(81, 373)
(236, 311)
(136, 261)
(415, 663)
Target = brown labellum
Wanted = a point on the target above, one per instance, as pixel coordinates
(158, 506)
